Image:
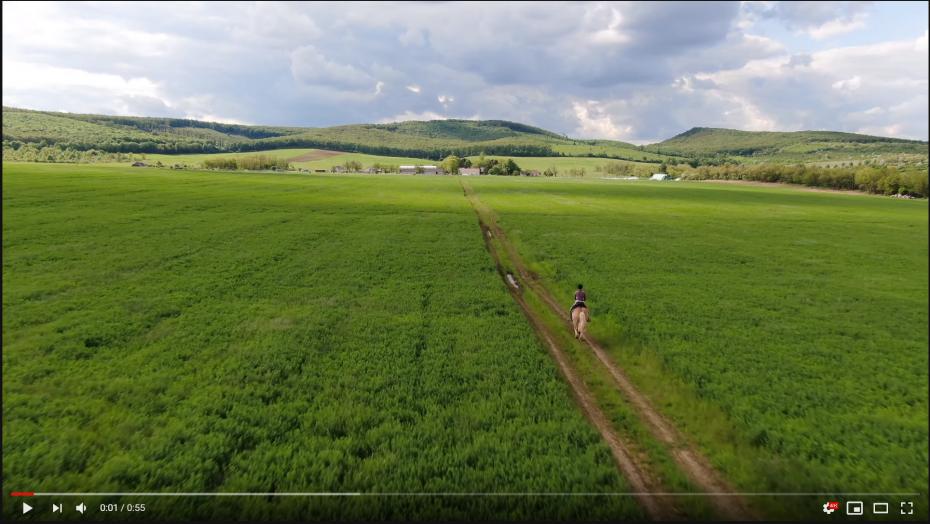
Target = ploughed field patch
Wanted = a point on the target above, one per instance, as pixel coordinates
(315, 154)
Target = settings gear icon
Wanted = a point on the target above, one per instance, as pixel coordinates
(830, 507)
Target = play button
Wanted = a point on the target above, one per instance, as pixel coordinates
(26, 508)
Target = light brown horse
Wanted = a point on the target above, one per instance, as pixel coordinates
(579, 320)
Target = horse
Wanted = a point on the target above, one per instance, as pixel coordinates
(579, 321)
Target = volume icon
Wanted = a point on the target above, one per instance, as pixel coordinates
(81, 508)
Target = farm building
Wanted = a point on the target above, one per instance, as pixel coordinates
(532, 173)
(138, 164)
(415, 170)
(470, 171)
(659, 176)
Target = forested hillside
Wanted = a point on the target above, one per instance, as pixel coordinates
(433, 139)
(771, 145)
(49, 136)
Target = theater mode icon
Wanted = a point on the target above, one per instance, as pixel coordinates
(830, 507)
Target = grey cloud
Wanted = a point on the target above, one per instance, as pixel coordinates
(805, 15)
(309, 66)
(799, 60)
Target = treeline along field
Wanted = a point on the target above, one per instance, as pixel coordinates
(879, 179)
(784, 331)
(178, 331)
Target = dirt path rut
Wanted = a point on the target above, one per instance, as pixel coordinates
(694, 465)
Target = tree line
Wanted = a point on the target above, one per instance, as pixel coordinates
(250, 162)
(880, 179)
(32, 153)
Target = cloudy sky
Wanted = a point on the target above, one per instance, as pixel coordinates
(634, 71)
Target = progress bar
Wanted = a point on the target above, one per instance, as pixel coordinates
(460, 494)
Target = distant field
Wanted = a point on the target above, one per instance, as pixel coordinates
(339, 159)
(606, 148)
(194, 160)
(297, 158)
(564, 164)
(784, 330)
(198, 331)
(335, 158)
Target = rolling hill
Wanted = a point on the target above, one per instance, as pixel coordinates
(798, 145)
(433, 140)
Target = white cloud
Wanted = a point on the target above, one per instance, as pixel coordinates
(594, 122)
(215, 118)
(24, 75)
(413, 88)
(920, 45)
(612, 34)
(410, 115)
(849, 84)
(837, 27)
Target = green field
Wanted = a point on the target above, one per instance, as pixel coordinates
(196, 160)
(350, 333)
(179, 331)
(562, 164)
(784, 330)
(292, 155)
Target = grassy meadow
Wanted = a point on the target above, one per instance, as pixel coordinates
(205, 331)
(783, 330)
(198, 331)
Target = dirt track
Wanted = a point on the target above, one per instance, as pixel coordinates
(694, 465)
(637, 475)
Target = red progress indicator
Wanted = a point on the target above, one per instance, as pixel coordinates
(23, 494)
